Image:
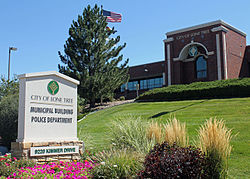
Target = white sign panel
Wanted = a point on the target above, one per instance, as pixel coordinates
(59, 150)
(47, 107)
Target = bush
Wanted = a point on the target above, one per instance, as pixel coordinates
(154, 132)
(81, 103)
(175, 132)
(200, 90)
(122, 98)
(130, 132)
(214, 140)
(8, 119)
(166, 161)
(117, 164)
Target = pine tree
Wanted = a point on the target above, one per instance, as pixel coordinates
(92, 56)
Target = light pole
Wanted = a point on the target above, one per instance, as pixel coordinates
(14, 49)
(137, 89)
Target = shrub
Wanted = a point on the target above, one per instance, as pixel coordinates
(8, 118)
(130, 132)
(117, 164)
(166, 161)
(214, 140)
(175, 132)
(81, 103)
(154, 132)
(200, 90)
(122, 98)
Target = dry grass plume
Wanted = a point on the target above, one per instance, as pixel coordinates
(154, 132)
(214, 136)
(175, 132)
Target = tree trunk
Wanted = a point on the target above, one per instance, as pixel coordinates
(92, 103)
(101, 100)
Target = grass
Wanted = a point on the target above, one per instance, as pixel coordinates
(176, 132)
(154, 132)
(131, 133)
(214, 140)
(235, 112)
(118, 164)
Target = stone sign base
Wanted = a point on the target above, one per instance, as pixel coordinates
(22, 150)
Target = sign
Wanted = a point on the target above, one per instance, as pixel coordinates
(192, 34)
(58, 150)
(193, 51)
(53, 87)
(47, 108)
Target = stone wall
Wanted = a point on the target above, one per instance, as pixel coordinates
(21, 150)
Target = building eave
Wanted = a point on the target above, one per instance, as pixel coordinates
(218, 22)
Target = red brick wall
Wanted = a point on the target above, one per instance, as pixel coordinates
(236, 45)
(208, 40)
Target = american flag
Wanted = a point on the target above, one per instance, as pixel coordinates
(112, 16)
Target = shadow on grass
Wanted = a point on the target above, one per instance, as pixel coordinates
(178, 109)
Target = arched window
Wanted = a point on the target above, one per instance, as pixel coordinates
(201, 67)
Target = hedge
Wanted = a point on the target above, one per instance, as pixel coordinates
(200, 90)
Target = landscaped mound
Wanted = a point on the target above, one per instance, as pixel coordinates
(200, 90)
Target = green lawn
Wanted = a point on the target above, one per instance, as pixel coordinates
(235, 112)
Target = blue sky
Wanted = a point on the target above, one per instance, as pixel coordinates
(39, 29)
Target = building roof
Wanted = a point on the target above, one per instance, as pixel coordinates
(149, 70)
(49, 73)
(218, 22)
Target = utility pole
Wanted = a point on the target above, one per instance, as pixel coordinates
(14, 49)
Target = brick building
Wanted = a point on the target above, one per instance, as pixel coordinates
(205, 52)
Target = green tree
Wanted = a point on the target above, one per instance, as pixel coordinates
(8, 87)
(92, 56)
(8, 118)
(8, 110)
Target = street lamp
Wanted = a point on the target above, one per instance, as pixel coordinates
(14, 49)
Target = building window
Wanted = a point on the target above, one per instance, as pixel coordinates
(201, 67)
(143, 84)
(151, 83)
(123, 87)
(132, 85)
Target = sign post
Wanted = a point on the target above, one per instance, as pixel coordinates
(47, 118)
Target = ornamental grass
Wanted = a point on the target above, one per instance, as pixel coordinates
(131, 132)
(214, 141)
(175, 132)
(117, 163)
(154, 132)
